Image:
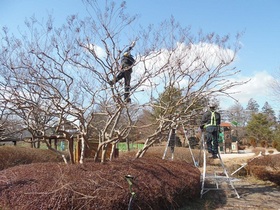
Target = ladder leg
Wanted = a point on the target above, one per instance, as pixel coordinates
(196, 163)
(204, 167)
(216, 181)
(228, 179)
(226, 173)
(200, 151)
(165, 151)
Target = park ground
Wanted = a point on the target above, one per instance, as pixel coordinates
(38, 180)
(255, 194)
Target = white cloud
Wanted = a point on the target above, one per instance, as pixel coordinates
(100, 52)
(193, 59)
(257, 88)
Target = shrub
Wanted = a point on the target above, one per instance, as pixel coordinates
(12, 156)
(270, 151)
(159, 184)
(253, 142)
(241, 147)
(265, 174)
(266, 168)
(276, 145)
(257, 150)
(263, 143)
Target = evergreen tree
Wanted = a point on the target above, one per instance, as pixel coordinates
(259, 127)
(252, 106)
(269, 112)
(276, 138)
(167, 101)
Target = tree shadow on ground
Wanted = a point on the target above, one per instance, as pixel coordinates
(252, 196)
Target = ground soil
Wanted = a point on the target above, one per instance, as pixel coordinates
(254, 193)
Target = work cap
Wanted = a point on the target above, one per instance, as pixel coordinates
(212, 105)
(127, 53)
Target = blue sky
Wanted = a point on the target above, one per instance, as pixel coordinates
(259, 58)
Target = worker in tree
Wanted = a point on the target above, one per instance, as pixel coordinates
(210, 122)
(127, 63)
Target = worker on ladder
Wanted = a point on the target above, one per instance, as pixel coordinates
(210, 122)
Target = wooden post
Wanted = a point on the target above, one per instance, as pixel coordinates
(71, 149)
(77, 149)
(55, 143)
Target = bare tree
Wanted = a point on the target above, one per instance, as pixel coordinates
(22, 86)
(198, 67)
(274, 87)
(10, 124)
(69, 68)
(237, 115)
(64, 67)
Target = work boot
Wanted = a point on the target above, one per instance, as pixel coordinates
(128, 100)
(215, 156)
(111, 83)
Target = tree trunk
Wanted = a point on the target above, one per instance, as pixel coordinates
(149, 142)
(103, 155)
(113, 151)
(127, 144)
(49, 145)
(38, 143)
(71, 149)
(141, 152)
(97, 152)
(82, 150)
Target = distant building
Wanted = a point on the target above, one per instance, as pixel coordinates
(227, 141)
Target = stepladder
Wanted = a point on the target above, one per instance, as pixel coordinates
(213, 179)
(174, 141)
(170, 145)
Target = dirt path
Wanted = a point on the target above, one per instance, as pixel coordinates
(254, 194)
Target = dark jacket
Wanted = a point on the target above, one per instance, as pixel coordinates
(127, 62)
(206, 119)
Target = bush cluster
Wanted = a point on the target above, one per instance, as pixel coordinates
(13, 155)
(266, 168)
(158, 184)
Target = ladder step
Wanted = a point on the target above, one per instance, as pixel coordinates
(221, 178)
(216, 178)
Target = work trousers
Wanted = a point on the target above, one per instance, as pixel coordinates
(212, 139)
(127, 77)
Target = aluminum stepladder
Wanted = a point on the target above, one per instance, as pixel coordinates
(172, 134)
(245, 164)
(214, 178)
(195, 162)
